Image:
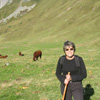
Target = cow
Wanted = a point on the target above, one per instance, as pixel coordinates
(3, 56)
(0, 55)
(20, 54)
(37, 54)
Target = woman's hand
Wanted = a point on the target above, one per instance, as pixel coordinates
(68, 78)
(66, 81)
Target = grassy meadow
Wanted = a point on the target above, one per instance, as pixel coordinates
(45, 28)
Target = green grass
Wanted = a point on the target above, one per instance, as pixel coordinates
(45, 28)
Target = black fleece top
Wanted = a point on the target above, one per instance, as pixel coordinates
(77, 73)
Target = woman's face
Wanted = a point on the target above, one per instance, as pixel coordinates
(69, 51)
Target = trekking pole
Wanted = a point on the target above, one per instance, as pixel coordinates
(65, 89)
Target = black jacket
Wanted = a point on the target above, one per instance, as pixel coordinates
(77, 73)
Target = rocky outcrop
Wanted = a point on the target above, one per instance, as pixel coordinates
(21, 10)
(4, 2)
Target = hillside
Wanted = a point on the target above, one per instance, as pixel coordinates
(45, 28)
(56, 19)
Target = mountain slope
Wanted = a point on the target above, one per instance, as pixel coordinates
(56, 19)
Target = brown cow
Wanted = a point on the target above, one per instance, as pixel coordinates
(37, 54)
(20, 54)
(3, 56)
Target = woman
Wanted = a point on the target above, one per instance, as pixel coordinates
(77, 74)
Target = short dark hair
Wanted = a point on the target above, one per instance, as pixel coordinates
(68, 43)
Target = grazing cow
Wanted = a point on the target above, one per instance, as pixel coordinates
(37, 54)
(20, 54)
(3, 56)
